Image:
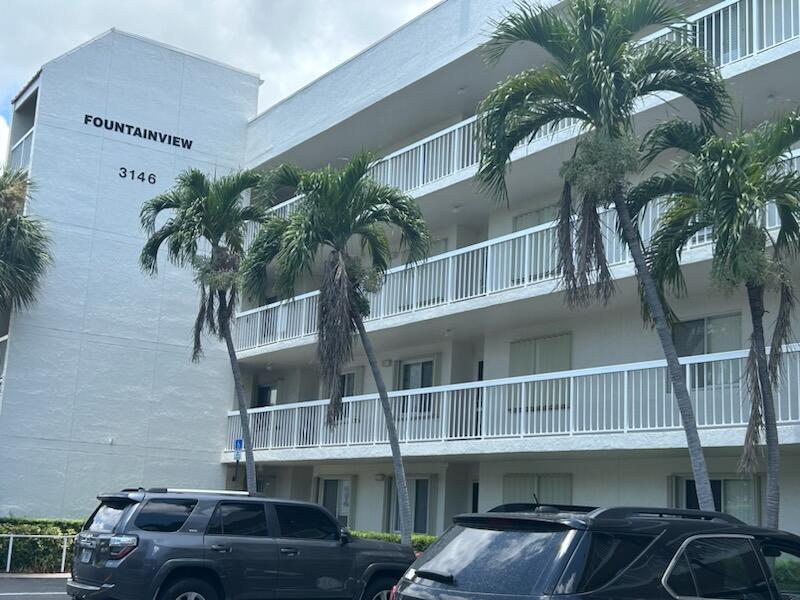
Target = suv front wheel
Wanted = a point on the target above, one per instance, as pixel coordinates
(189, 589)
(379, 589)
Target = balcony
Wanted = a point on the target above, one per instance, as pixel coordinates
(20, 155)
(578, 409)
(726, 32)
(520, 260)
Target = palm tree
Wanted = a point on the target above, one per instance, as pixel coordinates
(727, 185)
(343, 218)
(596, 75)
(24, 244)
(204, 228)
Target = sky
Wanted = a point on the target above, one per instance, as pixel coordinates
(288, 42)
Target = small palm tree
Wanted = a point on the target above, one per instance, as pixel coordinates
(727, 185)
(343, 217)
(204, 228)
(596, 75)
(24, 244)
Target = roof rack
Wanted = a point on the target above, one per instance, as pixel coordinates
(200, 491)
(627, 512)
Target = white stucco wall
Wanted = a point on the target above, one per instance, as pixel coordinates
(99, 390)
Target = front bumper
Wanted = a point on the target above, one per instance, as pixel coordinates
(86, 591)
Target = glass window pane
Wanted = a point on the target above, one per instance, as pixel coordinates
(522, 354)
(305, 522)
(519, 488)
(239, 518)
(553, 353)
(726, 568)
(689, 337)
(330, 493)
(421, 506)
(785, 569)
(680, 579)
(608, 556)
(724, 333)
(739, 499)
(164, 515)
(493, 561)
(105, 518)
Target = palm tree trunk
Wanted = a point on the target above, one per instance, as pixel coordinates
(755, 297)
(249, 460)
(677, 373)
(403, 502)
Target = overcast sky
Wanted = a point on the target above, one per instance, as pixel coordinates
(289, 42)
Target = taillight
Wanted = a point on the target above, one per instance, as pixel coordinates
(393, 593)
(119, 546)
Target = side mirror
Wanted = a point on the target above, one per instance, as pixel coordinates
(344, 535)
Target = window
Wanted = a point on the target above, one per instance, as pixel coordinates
(532, 218)
(164, 515)
(419, 496)
(718, 567)
(495, 561)
(239, 518)
(265, 395)
(335, 495)
(525, 488)
(105, 518)
(600, 559)
(735, 496)
(414, 375)
(541, 355)
(706, 336)
(784, 566)
(305, 522)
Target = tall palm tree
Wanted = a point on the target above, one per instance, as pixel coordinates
(203, 226)
(343, 218)
(727, 185)
(596, 75)
(24, 244)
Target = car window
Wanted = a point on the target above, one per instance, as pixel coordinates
(105, 518)
(719, 567)
(239, 518)
(305, 522)
(164, 515)
(608, 556)
(784, 566)
(492, 561)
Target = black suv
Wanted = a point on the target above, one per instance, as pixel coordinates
(620, 553)
(200, 545)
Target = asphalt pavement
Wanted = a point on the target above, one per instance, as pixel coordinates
(33, 588)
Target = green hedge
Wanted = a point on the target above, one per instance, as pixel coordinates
(419, 541)
(32, 555)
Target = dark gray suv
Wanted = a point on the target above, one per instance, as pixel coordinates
(199, 545)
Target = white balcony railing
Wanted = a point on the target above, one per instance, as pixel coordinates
(20, 155)
(726, 32)
(612, 399)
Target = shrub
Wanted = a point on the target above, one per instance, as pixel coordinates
(37, 555)
(419, 542)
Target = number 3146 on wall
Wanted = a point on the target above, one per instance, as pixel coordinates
(135, 175)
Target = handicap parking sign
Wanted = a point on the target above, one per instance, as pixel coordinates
(238, 444)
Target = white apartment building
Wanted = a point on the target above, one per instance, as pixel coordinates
(499, 391)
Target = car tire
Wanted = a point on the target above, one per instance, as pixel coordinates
(189, 589)
(379, 588)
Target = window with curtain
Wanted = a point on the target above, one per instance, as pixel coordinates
(419, 495)
(535, 217)
(541, 355)
(335, 495)
(415, 374)
(525, 487)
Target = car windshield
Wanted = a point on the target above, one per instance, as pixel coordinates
(494, 561)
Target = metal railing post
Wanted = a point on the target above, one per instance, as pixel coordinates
(64, 555)
(10, 549)
(625, 400)
(756, 24)
(445, 414)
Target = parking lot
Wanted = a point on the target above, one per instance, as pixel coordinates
(41, 588)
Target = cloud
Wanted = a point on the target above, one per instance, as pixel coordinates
(289, 42)
(3, 140)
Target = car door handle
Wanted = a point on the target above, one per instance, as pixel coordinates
(290, 551)
(220, 548)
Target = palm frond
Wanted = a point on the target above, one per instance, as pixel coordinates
(673, 135)
(533, 24)
(25, 255)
